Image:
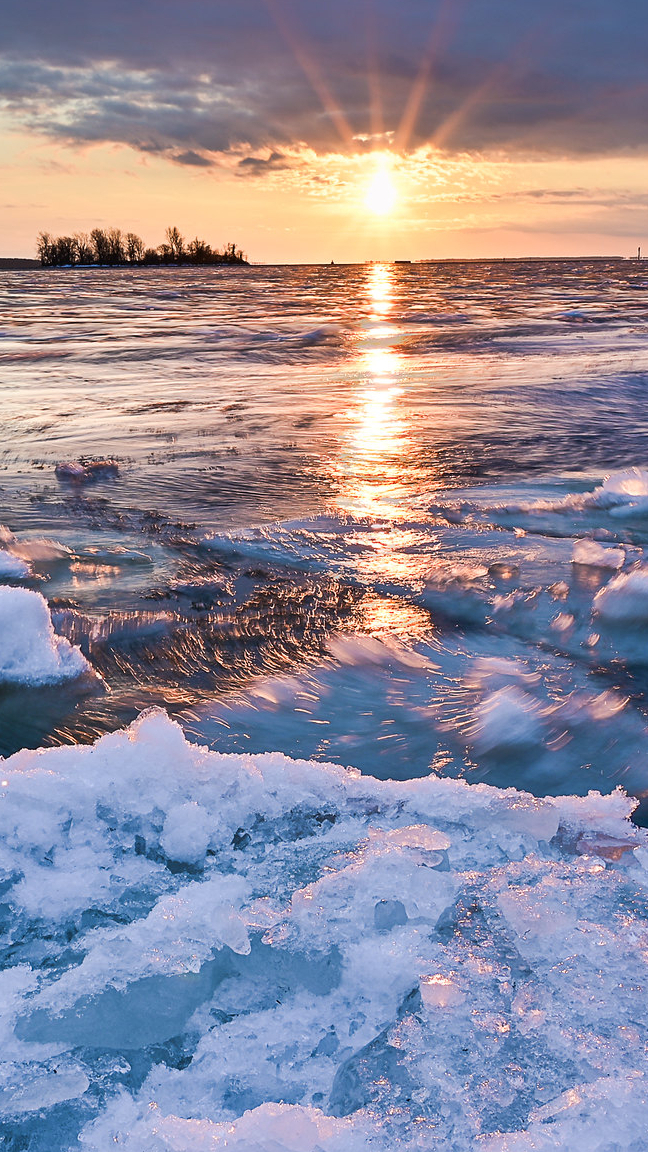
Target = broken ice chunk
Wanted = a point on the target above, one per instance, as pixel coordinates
(30, 650)
(593, 555)
(625, 599)
(83, 470)
(38, 1092)
(389, 914)
(187, 830)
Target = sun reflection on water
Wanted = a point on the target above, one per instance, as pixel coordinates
(377, 466)
(377, 449)
(380, 290)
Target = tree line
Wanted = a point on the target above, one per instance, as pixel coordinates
(112, 247)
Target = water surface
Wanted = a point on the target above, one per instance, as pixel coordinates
(324, 536)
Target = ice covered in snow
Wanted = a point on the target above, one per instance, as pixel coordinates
(206, 951)
(622, 494)
(30, 650)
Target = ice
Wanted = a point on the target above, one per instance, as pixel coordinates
(624, 600)
(506, 720)
(41, 1092)
(628, 484)
(252, 952)
(618, 504)
(12, 567)
(592, 1117)
(187, 832)
(39, 550)
(30, 650)
(115, 556)
(593, 555)
(272, 1127)
(84, 471)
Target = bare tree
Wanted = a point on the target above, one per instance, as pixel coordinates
(134, 248)
(45, 249)
(101, 245)
(116, 254)
(65, 250)
(232, 255)
(110, 246)
(83, 249)
(176, 243)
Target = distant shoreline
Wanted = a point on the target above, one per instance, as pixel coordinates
(17, 263)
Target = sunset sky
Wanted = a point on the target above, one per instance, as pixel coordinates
(345, 130)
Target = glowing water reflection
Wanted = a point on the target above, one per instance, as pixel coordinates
(378, 469)
(380, 290)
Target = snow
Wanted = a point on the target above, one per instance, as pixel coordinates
(30, 650)
(208, 951)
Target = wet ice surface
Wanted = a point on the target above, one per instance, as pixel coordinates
(388, 518)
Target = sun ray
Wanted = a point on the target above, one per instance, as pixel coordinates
(377, 124)
(440, 33)
(498, 77)
(311, 70)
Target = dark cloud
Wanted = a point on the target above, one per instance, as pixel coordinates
(258, 165)
(191, 78)
(193, 159)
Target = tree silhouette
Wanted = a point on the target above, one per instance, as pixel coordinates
(134, 248)
(83, 252)
(175, 243)
(112, 247)
(116, 253)
(101, 245)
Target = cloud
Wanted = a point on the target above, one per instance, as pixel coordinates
(193, 159)
(259, 165)
(197, 81)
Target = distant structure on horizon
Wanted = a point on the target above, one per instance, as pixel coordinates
(112, 248)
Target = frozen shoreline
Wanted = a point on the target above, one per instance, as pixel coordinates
(194, 936)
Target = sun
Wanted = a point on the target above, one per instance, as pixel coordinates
(381, 194)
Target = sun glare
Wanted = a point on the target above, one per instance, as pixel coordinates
(381, 193)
